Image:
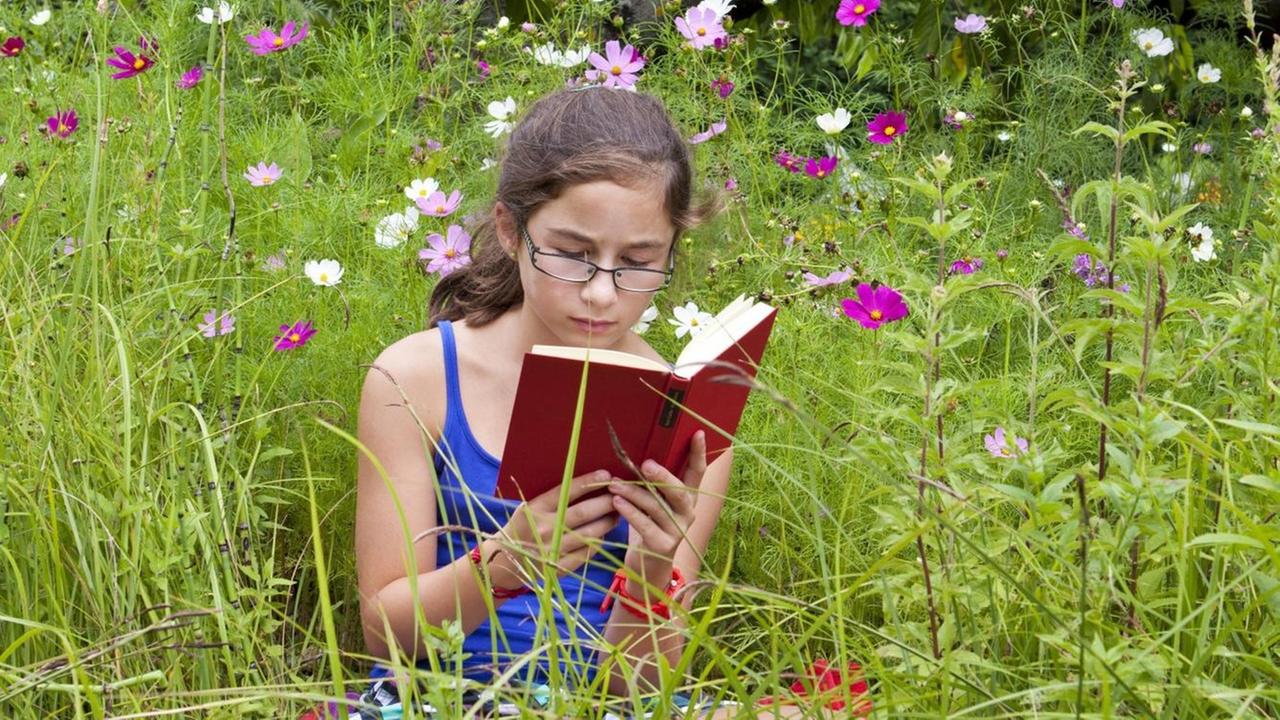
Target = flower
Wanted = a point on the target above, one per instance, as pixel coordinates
(225, 12)
(972, 23)
(650, 314)
(1117, 4)
(1208, 74)
(820, 167)
(274, 263)
(689, 319)
(1204, 251)
(395, 228)
(701, 27)
(833, 122)
(263, 174)
(267, 41)
(500, 110)
(1246, 112)
(190, 78)
(886, 126)
(1002, 255)
(828, 685)
(715, 129)
(998, 444)
(966, 265)
(482, 67)
(215, 324)
(1201, 232)
(1153, 42)
(955, 119)
(12, 46)
(41, 17)
(855, 12)
(3, 177)
(720, 7)
(1004, 136)
(324, 272)
(794, 163)
(1093, 272)
(69, 243)
(1168, 147)
(528, 27)
(1203, 148)
(731, 184)
(129, 64)
(549, 55)
(294, 336)
(1182, 183)
(618, 66)
(875, 306)
(421, 188)
(447, 253)
(62, 123)
(835, 278)
(488, 164)
(722, 86)
(437, 205)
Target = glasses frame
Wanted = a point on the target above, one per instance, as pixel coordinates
(534, 251)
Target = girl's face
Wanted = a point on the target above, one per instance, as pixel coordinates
(613, 226)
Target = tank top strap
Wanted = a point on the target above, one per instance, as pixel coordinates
(453, 413)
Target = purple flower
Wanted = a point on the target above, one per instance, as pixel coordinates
(294, 336)
(722, 86)
(998, 444)
(128, 63)
(886, 126)
(715, 129)
(190, 78)
(1073, 229)
(731, 184)
(618, 66)
(12, 46)
(701, 27)
(62, 123)
(69, 244)
(1002, 255)
(483, 68)
(971, 24)
(966, 265)
(1202, 148)
(835, 278)
(447, 253)
(267, 41)
(274, 263)
(215, 324)
(1093, 273)
(855, 12)
(437, 205)
(875, 306)
(528, 27)
(820, 167)
(1117, 4)
(263, 174)
(794, 163)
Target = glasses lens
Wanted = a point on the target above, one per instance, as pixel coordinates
(565, 268)
(641, 280)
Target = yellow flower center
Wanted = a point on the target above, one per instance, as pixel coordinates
(859, 8)
(267, 179)
(702, 31)
(324, 277)
(876, 314)
(890, 130)
(423, 193)
(822, 173)
(62, 127)
(615, 70)
(139, 63)
(1148, 45)
(294, 337)
(278, 41)
(450, 253)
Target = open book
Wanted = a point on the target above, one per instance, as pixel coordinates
(652, 409)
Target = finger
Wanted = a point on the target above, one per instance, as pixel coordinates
(653, 536)
(676, 494)
(578, 487)
(650, 503)
(584, 511)
(697, 461)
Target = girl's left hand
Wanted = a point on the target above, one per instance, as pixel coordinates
(661, 510)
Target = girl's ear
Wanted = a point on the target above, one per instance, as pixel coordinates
(504, 222)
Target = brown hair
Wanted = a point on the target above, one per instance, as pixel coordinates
(567, 138)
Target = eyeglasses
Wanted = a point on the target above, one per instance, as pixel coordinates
(571, 269)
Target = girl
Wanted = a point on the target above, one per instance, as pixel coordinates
(594, 193)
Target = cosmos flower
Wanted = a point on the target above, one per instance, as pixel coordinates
(500, 111)
(820, 167)
(267, 41)
(395, 228)
(617, 68)
(855, 12)
(225, 12)
(723, 87)
(294, 336)
(62, 123)
(875, 306)
(1208, 74)
(128, 63)
(263, 174)
(217, 324)
(972, 23)
(999, 446)
(437, 205)
(650, 314)
(12, 46)
(325, 273)
(966, 265)
(689, 320)
(835, 278)
(886, 126)
(715, 129)
(190, 78)
(1152, 42)
(833, 123)
(700, 27)
(447, 253)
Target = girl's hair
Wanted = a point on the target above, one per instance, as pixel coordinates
(566, 138)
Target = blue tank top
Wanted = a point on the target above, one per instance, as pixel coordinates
(467, 475)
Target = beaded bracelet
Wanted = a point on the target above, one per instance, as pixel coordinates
(498, 593)
(634, 605)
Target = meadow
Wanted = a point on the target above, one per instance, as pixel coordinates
(1014, 444)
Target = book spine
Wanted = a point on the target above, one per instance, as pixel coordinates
(665, 429)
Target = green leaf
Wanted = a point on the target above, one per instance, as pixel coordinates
(1098, 129)
(1153, 127)
(1227, 539)
(1250, 426)
(924, 187)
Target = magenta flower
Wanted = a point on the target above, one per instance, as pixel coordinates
(820, 167)
(447, 253)
(263, 174)
(701, 27)
(722, 86)
(998, 444)
(793, 163)
(12, 46)
(215, 324)
(483, 68)
(855, 12)
(190, 78)
(875, 306)
(966, 265)
(835, 278)
(128, 63)
(267, 41)
(886, 126)
(437, 205)
(63, 123)
(294, 336)
(715, 129)
(618, 67)
(731, 184)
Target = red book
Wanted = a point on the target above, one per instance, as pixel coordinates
(652, 409)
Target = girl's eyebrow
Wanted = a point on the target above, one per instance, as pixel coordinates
(587, 240)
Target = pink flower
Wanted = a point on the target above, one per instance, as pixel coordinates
(483, 68)
(701, 27)
(972, 23)
(215, 324)
(998, 445)
(855, 12)
(731, 184)
(820, 167)
(274, 263)
(835, 278)
(618, 67)
(267, 41)
(722, 86)
(1117, 4)
(62, 123)
(12, 46)
(715, 129)
(128, 63)
(437, 205)
(886, 126)
(966, 265)
(447, 253)
(875, 306)
(263, 174)
(294, 336)
(190, 78)
(793, 163)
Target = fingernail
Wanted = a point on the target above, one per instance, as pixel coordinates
(615, 487)
(649, 467)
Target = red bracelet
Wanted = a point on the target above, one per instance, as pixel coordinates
(498, 593)
(634, 605)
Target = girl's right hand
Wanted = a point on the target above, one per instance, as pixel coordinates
(532, 526)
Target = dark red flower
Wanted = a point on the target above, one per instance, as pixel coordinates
(12, 46)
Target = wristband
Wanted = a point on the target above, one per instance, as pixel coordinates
(639, 607)
(498, 593)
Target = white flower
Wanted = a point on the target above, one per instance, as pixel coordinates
(421, 188)
(395, 228)
(1207, 74)
(1182, 182)
(500, 110)
(1203, 251)
(504, 22)
(40, 17)
(1168, 147)
(833, 123)
(324, 272)
(226, 11)
(487, 164)
(573, 58)
(1246, 112)
(689, 319)
(721, 7)
(1004, 136)
(1153, 42)
(549, 55)
(650, 314)
(3, 178)
(1201, 232)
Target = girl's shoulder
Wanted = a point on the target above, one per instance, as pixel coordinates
(412, 368)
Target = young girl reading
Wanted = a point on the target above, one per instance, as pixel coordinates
(594, 193)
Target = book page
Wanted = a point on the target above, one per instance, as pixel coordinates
(729, 325)
(598, 355)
